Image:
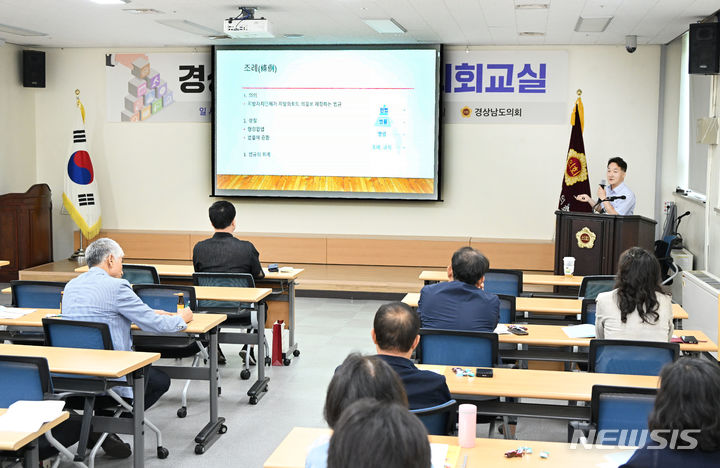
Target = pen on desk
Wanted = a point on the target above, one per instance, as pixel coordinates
(464, 461)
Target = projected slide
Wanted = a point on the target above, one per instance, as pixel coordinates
(325, 123)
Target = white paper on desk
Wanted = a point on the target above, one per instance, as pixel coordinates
(586, 330)
(29, 416)
(501, 329)
(438, 454)
(615, 459)
(13, 312)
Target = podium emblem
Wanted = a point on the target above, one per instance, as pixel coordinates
(585, 238)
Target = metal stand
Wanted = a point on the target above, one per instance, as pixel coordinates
(79, 254)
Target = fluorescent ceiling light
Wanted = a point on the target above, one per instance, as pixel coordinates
(110, 2)
(531, 5)
(531, 34)
(20, 31)
(189, 26)
(142, 11)
(598, 24)
(385, 26)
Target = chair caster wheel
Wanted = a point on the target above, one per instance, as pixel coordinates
(286, 362)
(245, 374)
(162, 453)
(182, 412)
(296, 353)
(253, 400)
(268, 361)
(223, 429)
(199, 449)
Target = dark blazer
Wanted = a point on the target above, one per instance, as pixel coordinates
(223, 253)
(454, 305)
(668, 458)
(424, 388)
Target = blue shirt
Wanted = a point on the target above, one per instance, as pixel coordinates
(454, 305)
(623, 207)
(96, 296)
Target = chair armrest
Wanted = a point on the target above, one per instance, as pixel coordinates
(584, 427)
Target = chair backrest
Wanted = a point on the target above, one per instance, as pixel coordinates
(458, 348)
(76, 334)
(37, 294)
(23, 378)
(235, 280)
(630, 357)
(165, 296)
(507, 308)
(436, 418)
(593, 285)
(587, 314)
(140, 274)
(621, 408)
(509, 282)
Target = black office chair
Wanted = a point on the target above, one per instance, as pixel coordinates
(438, 420)
(503, 281)
(140, 274)
(587, 314)
(507, 308)
(593, 285)
(240, 315)
(89, 335)
(33, 295)
(631, 357)
(28, 378)
(168, 298)
(614, 409)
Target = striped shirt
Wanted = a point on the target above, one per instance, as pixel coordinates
(96, 296)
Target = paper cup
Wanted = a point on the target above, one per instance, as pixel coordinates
(569, 265)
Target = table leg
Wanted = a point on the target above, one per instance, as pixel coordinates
(32, 455)
(216, 426)
(292, 346)
(139, 417)
(260, 387)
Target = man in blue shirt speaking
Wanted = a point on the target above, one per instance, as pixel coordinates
(623, 199)
(101, 295)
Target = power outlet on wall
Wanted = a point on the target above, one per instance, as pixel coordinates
(666, 206)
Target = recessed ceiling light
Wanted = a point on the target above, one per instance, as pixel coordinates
(531, 34)
(597, 24)
(142, 11)
(20, 31)
(385, 26)
(110, 2)
(293, 36)
(189, 26)
(531, 6)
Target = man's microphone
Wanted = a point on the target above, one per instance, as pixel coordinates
(602, 183)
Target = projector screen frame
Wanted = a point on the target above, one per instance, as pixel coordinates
(319, 195)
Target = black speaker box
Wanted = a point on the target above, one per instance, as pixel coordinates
(33, 69)
(704, 56)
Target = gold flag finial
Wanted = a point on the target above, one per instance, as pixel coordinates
(80, 105)
(579, 92)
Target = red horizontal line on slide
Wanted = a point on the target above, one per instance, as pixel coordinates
(292, 87)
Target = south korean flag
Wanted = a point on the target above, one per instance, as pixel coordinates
(80, 194)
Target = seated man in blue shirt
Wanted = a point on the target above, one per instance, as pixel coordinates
(396, 335)
(624, 198)
(101, 295)
(461, 303)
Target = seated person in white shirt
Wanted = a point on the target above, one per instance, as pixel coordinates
(616, 187)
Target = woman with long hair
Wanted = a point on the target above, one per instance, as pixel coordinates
(637, 309)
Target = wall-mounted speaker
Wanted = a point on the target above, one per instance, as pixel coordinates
(33, 69)
(704, 56)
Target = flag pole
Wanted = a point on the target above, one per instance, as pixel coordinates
(79, 254)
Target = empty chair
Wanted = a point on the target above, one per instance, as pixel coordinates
(508, 282)
(437, 419)
(615, 413)
(593, 285)
(34, 295)
(140, 274)
(630, 357)
(89, 335)
(28, 378)
(169, 298)
(587, 314)
(458, 348)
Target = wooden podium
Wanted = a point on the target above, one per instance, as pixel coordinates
(597, 240)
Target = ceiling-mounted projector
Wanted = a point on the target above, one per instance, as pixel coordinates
(245, 25)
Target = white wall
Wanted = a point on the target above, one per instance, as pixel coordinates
(17, 124)
(500, 181)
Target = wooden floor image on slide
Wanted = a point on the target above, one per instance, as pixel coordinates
(325, 184)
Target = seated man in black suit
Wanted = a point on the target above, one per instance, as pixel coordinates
(224, 253)
(396, 335)
(461, 303)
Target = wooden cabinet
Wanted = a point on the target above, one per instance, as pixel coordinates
(25, 230)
